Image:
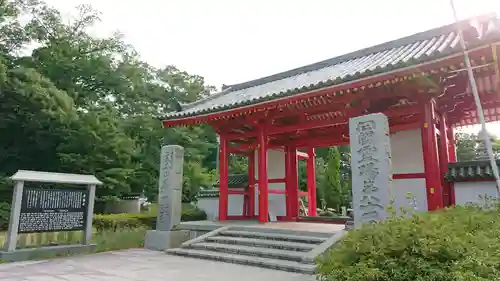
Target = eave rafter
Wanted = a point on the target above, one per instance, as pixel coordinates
(327, 108)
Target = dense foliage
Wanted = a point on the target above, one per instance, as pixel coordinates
(449, 245)
(146, 220)
(335, 187)
(70, 102)
(467, 146)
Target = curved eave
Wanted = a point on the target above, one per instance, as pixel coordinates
(391, 74)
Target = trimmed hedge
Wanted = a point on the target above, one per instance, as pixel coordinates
(119, 221)
(461, 243)
(147, 220)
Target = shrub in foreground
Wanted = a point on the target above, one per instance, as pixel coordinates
(461, 243)
(4, 215)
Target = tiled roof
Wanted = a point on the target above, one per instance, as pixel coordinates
(470, 170)
(208, 193)
(408, 51)
(235, 180)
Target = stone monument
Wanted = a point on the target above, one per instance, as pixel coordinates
(371, 167)
(482, 151)
(169, 202)
(37, 210)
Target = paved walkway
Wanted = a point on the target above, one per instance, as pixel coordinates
(138, 265)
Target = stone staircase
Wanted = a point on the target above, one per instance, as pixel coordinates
(264, 247)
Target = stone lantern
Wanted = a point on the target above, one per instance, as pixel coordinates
(482, 151)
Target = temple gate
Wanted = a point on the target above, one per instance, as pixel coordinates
(419, 82)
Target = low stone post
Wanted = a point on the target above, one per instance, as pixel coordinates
(371, 167)
(10, 244)
(169, 202)
(90, 213)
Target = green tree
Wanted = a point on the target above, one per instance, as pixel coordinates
(465, 146)
(83, 104)
(331, 187)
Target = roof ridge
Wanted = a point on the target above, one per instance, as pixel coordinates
(223, 91)
(358, 53)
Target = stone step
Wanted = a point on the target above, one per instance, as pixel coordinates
(246, 260)
(249, 251)
(283, 245)
(274, 236)
(284, 231)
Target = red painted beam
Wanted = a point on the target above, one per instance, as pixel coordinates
(280, 180)
(408, 176)
(237, 192)
(340, 137)
(308, 124)
(322, 105)
(467, 101)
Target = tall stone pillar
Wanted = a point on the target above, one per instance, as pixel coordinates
(371, 167)
(482, 151)
(169, 202)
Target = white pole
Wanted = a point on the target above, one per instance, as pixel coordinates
(479, 107)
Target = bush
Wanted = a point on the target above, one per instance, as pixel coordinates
(4, 215)
(192, 213)
(122, 221)
(461, 243)
(143, 220)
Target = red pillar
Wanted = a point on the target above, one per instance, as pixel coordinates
(288, 171)
(429, 147)
(452, 152)
(452, 156)
(292, 183)
(224, 179)
(251, 184)
(444, 159)
(311, 181)
(263, 181)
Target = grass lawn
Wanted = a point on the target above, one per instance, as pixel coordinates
(105, 240)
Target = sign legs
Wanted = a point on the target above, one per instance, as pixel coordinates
(90, 212)
(15, 210)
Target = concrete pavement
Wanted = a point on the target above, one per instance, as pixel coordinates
(139, 265)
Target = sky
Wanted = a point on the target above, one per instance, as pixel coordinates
(229, 42)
